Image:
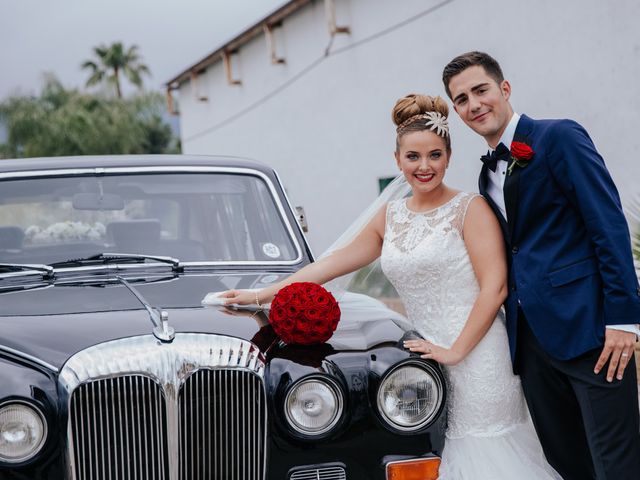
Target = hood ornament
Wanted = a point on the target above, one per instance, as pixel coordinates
(160, 318)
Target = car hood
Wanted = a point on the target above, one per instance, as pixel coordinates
(53, 323)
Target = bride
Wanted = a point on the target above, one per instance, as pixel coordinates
(442, 249)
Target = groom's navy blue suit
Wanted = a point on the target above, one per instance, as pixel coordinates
(571, 273)
(571, 269)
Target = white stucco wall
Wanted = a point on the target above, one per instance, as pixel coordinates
(328, 131)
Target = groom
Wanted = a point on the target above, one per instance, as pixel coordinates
(574, 301)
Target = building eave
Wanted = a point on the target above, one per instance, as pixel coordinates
(269, 21)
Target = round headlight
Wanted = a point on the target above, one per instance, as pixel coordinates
(410, 396)
(313, 406)
(22, 432)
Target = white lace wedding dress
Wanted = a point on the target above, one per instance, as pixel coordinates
(489, 432)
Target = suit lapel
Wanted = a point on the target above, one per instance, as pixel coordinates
(511, 187)
(482, 181)
(512, 182)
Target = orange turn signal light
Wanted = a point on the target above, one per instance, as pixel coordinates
(416, 469)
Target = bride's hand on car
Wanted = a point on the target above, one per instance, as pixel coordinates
(239, 297)
(431, 351)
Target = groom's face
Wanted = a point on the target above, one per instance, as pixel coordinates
(482, 102)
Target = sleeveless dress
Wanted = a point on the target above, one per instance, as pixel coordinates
(489, 433)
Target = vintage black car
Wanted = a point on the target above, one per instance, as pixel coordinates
(111, 368)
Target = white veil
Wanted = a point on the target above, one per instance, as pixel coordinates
(398, 188)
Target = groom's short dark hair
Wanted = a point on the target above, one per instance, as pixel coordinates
(471, 59)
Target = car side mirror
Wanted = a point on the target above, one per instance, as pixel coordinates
(302, 219)
(95, 201)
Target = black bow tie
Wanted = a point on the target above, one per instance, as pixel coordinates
(491, 158)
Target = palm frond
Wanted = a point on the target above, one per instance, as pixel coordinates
(96, 78)
(111, 60)
(89, 65)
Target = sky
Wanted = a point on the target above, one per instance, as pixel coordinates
(56, 36)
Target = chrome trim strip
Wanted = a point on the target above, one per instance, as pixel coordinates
(319, 473)
(63, 172)
(414, 459)
(286, 197)
(29, 358)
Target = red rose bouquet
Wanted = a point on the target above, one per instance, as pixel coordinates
(304, 313)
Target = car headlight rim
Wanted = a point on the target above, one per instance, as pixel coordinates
(336, 416)
(433, 414)
(37, 445)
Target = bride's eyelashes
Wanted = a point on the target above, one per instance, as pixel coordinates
(433, 155)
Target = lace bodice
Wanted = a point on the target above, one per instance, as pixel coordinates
(425, 257)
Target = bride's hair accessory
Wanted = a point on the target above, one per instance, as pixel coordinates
(435, 121)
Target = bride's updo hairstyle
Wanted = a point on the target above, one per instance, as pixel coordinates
(416, 112)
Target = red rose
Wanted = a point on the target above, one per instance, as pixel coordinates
(305, 328)
(305, 340)
(298, 300)
(314, 313)
(521, 151)
(322, 300)
(285, 297)
(287, 325)
(292, 309)
(278, 314)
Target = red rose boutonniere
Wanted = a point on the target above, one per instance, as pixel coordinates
(304, 313)
(521, 154)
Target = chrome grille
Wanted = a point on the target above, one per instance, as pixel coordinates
(324, 473)
(222, 426)
(119, 429)
(191, 409)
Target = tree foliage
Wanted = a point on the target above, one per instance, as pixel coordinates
(112, 61)
(69, 122)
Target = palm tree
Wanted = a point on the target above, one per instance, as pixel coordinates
(113, 60)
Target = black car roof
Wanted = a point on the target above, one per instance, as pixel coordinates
(105, 161)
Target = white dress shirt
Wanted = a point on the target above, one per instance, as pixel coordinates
(495, 189)
(495, 183)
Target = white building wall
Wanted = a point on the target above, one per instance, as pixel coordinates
(324, 122)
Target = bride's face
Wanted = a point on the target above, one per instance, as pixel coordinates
(423, 159)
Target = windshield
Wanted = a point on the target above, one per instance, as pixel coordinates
(195, 217)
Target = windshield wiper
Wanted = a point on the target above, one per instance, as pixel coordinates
(104, 258)
(46, 270)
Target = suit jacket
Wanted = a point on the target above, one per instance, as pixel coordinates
(570, 262)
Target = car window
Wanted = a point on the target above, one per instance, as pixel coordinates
(191, 216)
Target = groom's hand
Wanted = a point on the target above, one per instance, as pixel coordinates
(618, 349)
